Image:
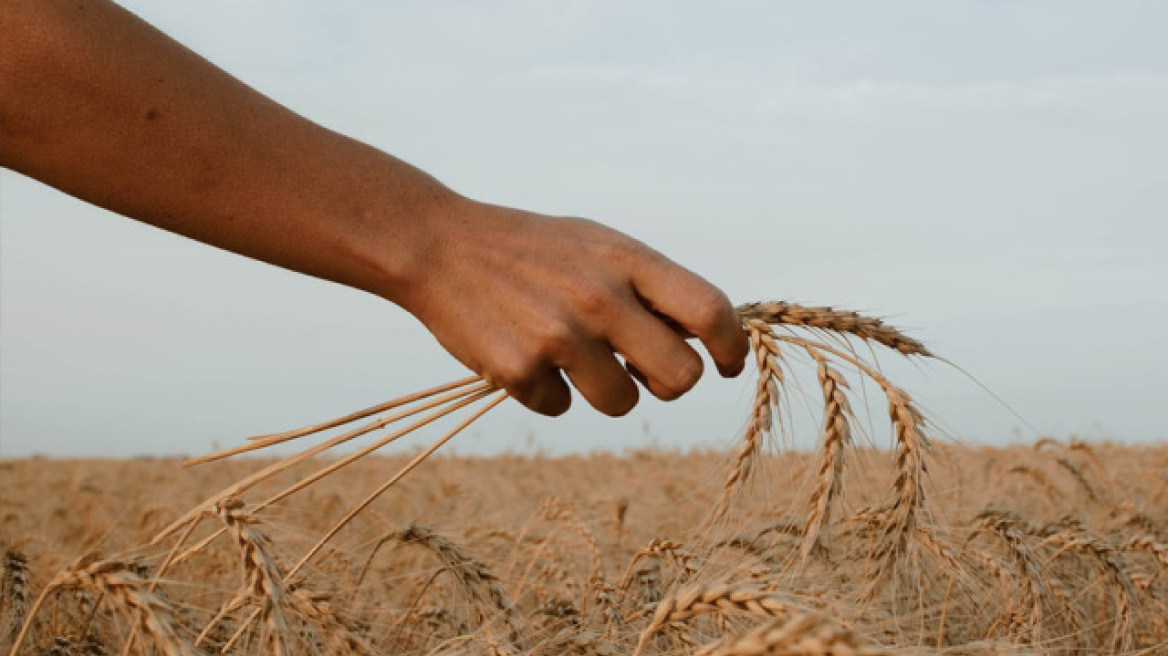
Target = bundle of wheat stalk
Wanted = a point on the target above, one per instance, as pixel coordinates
(805, 569)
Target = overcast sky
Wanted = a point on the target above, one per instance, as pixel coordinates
(992, 176)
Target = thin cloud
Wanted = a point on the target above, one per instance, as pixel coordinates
(797, 97)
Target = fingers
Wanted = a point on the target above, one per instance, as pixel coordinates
(530, 371)
(601, 379)
(598, 376)
(698, 307)
(656, 355)
(544, 392)
(564, 297)
(649, 332)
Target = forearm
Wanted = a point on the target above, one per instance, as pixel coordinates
(104, 107)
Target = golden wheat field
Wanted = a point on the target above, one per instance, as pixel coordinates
(1053, 550)
(910, 544)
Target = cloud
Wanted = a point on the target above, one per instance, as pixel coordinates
(1118, 91)
(794, 95)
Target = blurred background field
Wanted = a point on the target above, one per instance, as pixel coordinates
(583, 550)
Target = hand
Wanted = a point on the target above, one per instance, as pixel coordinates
(519, 297)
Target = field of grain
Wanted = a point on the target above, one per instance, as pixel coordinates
(1058, 549)
(927, 547)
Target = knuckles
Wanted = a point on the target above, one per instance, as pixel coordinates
(553, 342)
(527, 378)
(514, 372)
(710, 312)
(593, 300)
(546, 344)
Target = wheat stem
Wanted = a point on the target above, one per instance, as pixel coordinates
(278, 467)
(276, 438)
(396, 477)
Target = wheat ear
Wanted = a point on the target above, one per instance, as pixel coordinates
(1149, 545)
(478, 583)
(554, 510)
(686, 562)
(837, 435)
(1077, 539)
(808, 634)
(1039, 477)
(829, 319)
(261, 580)
(15, 590)
(701, 598)
(911, 443)
(1009, 529)
(127, 591)
(763, 412)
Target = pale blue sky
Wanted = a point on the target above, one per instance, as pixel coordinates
(990, 175)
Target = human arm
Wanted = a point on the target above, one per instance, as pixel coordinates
(100, 105)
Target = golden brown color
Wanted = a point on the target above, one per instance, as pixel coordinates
(465, 557)
(849, 549)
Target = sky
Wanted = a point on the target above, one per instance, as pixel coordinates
(990, 176)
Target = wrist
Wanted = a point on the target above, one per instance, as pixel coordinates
(402, 234)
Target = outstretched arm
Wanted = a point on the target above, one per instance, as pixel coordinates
(99, 104)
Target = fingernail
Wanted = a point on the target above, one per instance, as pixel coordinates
(691, 373)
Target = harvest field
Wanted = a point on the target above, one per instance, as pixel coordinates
(927, 547)
(1051, 550)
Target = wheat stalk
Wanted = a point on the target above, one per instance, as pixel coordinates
(909, 484)
(446, 403)
(261, 441)
(395, 478)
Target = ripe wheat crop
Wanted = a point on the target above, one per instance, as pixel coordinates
(917, 546)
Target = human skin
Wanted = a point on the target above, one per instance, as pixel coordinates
(102, 106)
